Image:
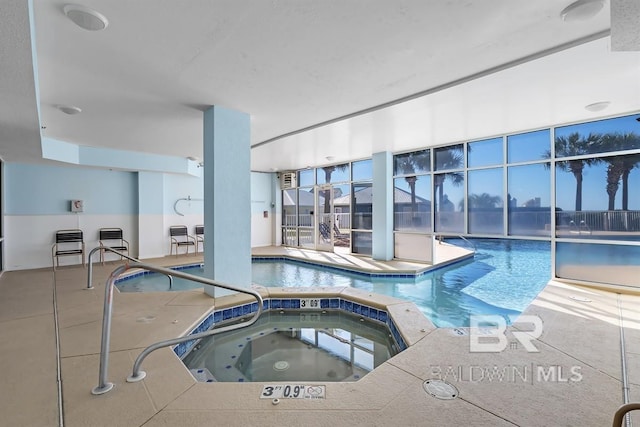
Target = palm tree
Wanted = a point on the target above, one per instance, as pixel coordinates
(408, 164)
(450, 158)
(614, 173)
(630, 162)
(575, 145)
(328, 171)
(484, 201)
(619, 166)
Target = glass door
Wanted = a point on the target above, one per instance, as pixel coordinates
(324, 218)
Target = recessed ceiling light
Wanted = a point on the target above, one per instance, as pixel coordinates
(598, 106)
(69, 109)
(581, 10)
(86, 18)
(329, 158)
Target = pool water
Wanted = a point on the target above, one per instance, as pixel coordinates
(503, 278)
(305, 346)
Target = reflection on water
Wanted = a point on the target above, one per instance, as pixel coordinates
(503, 278)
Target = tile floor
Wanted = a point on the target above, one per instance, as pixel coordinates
(574, 379)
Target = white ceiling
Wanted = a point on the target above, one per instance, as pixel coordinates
(469, 69)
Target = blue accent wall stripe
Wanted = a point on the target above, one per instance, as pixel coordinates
(47, 190)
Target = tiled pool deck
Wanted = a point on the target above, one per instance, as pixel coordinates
(574, 379)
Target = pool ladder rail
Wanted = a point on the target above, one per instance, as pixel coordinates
(440, 238)
(104, 385)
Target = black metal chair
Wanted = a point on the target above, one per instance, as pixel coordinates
(68, 243)
(199, 236)
(113, 238)
(181, 237)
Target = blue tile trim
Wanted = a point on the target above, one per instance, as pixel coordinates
(372, 314)
(147, 272)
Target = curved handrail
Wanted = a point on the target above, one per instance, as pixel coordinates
(188, 199)
(110, 249)
(103, 385)
(622, 411)
(440, 238)
(472, 245)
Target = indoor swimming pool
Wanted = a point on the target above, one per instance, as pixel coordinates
(503, 278)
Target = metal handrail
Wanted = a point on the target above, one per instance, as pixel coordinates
(623, 365)
(188, 199)
(459, 236)
(472, 245)
(622, 411)
(110, 249)
(103, 385)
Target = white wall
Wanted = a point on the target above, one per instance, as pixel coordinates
(261, 202)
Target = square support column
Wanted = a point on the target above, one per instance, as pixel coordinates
(227, 197)
(152, 234)
(382, 238)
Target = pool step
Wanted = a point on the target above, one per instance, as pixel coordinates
(203, 375)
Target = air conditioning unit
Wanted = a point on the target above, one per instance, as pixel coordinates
(288, 180)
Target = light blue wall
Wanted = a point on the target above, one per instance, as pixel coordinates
(67, 152)
(227, 177)
(150, 193)
(47, 190)
(261, 192)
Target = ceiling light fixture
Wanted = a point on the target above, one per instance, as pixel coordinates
(69, 109)
(329, 158)
(597, 106)
(581, 10)
(86, 18)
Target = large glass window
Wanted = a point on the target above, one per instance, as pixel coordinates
(485, 153)
(485, 203)
(290, 217)
(595, 197)
(305, 177)
(416, 162)
(341, 215)
(289, 204)
(602, 136)
(449, 158)
(362, 206)
(305, 217)
(530, 146)
(596, 170)
(412, 203)
(334, 173)
(449, 196)
(362, 243)
(362, 170)
(529, 200)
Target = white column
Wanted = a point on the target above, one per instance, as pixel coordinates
(382, 206)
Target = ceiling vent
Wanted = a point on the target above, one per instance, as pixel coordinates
(288, 180)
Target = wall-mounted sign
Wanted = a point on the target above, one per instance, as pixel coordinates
(77, 206)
